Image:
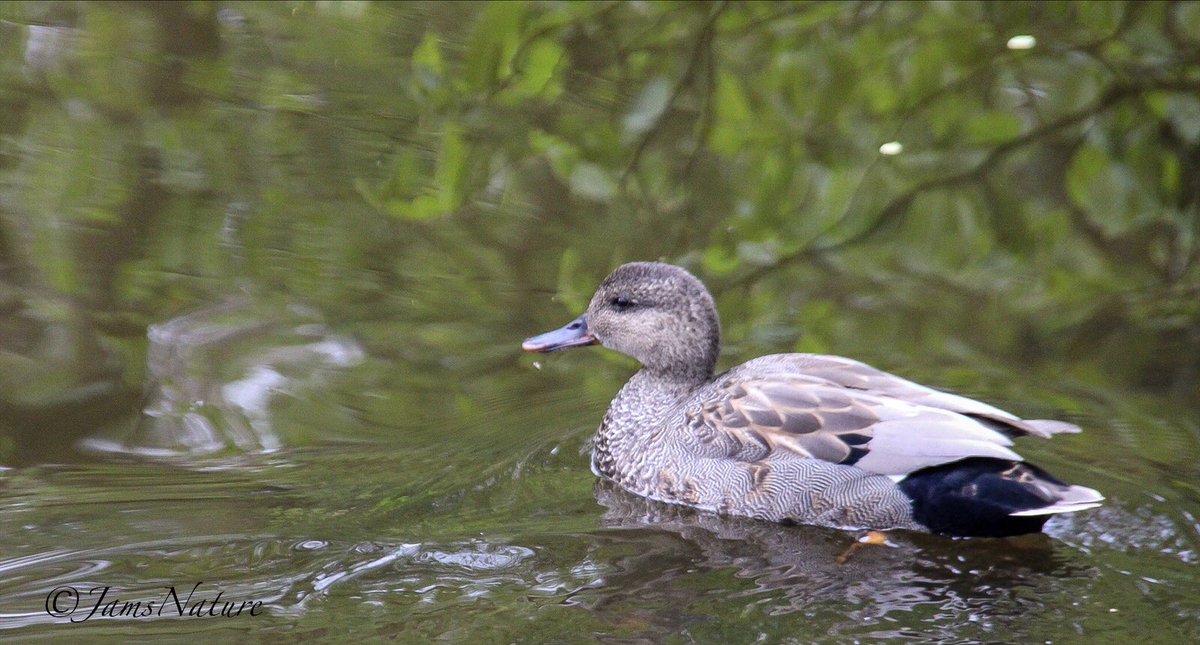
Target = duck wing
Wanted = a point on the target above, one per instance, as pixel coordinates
(855, 375)
(809, 415)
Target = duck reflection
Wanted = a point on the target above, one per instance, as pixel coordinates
(669, 555)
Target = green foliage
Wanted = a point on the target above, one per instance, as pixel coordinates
(338, 151)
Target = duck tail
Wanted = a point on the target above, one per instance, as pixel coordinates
(1051, 427)
(984, 496)
(1074, 498)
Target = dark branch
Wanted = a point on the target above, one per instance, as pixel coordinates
(898, 206)
(703, 42)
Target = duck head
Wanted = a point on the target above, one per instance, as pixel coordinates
(657, 313)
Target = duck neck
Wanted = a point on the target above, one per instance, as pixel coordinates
(651, 393)
(689, 362)
(634, 417)
(664, 387)
(682, 377)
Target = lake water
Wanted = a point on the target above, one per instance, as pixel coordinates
(468, 512)
(284, 405)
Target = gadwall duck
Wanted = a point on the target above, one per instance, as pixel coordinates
(798, 438)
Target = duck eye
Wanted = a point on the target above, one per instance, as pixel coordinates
(621, 303)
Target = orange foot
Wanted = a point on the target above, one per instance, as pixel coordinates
(877, 538)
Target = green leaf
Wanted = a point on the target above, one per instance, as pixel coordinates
(561, 153)
(427, 64)
(719, 261)
(1171, 175)
(993, 127)
(1086, 168)
(1008, 222)
(492, 46)
(539, 70)
(1109, 190)
(451, 168)
(428, 54)
(422, 208)
(732, 115)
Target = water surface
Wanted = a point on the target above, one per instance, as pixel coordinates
(263, 287)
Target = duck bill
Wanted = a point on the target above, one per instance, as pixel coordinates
(575, 334)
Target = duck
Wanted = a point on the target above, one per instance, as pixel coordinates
(799, 438)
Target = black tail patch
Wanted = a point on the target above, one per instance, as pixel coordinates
(974, 497)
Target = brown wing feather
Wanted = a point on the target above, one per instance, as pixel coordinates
(844, 412)
(796, 415)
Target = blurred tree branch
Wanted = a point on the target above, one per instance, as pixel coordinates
(899, 205)
(700, 52)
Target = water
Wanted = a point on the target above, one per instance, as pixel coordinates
(488, 524)
(230, 378)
